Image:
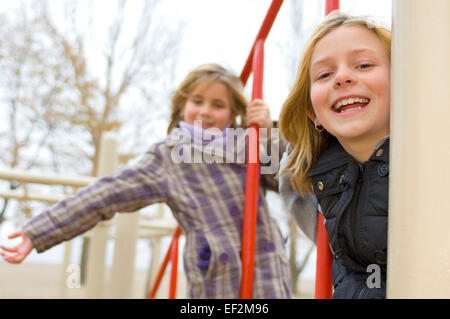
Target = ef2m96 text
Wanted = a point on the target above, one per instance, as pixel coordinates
(246, 308)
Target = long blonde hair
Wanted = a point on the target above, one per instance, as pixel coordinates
(306, 144)
(213, 73)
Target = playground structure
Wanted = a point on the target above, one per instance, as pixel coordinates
(415, 260)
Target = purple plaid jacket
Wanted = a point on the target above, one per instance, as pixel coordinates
(207, 200)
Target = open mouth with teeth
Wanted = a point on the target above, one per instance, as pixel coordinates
(351, 104)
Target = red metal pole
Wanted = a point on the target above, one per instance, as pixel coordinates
(324, 281)
(254, 63)
(324, 284)
(163, 267)
(252, 182)
(174, 269)
(331, 5)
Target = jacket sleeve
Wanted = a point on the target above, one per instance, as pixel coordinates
(126, 191)
(303, 209)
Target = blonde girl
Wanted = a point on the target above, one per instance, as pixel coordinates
(207, 199)
(336, 119)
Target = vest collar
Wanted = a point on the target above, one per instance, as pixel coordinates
(335, 155)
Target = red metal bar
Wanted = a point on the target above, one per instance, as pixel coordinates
(254, 63)
(163, 267)
(324, 285)
(252, 181)
(174, 270)
(262, 34)
(331, 5)
(324, 281)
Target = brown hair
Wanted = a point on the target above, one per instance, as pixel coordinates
(214, 73)
(305, 143)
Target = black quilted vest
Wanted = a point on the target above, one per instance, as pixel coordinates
(354, 201)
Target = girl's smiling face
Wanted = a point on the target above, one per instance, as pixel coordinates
(350, 85)
(209, 102)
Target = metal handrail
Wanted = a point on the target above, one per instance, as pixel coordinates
(255, 61)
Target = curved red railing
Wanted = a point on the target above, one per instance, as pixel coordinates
(255, 62)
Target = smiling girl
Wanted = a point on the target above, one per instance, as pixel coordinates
(336, 119)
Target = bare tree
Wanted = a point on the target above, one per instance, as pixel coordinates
(137, 66)
(32, 80)
(57, 79)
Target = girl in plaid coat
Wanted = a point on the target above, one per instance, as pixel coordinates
(201, 179)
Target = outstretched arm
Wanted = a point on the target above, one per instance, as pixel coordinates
(125, 191)
(21, 251)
